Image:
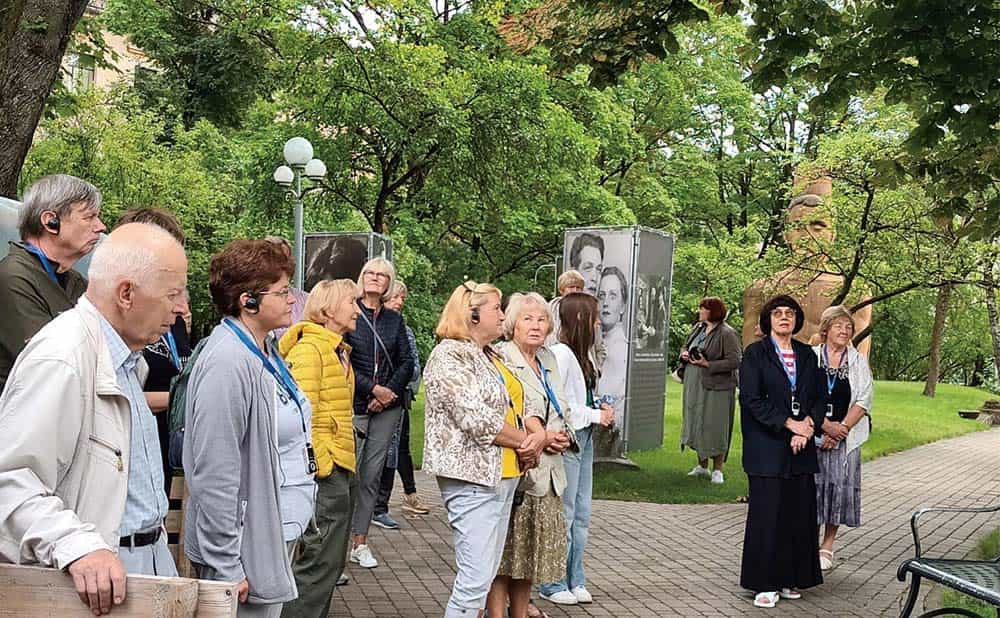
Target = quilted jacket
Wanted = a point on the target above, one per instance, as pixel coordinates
(311, 353)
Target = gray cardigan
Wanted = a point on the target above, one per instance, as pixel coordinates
(233, 518)
(722, 349)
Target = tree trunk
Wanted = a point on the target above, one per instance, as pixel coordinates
(29, 65)
(937, 332)
(991, 309)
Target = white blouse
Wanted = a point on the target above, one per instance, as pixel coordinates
(580, 414)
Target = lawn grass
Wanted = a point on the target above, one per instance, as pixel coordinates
(988, 548)
(902, 419)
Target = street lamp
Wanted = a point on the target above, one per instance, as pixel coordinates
(299, 156)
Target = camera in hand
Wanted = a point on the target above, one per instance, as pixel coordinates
(695, 353)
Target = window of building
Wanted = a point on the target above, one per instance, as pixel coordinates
(79, 74)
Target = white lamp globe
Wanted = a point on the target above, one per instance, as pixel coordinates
(298, 151)
(315, 169)
(284, 176)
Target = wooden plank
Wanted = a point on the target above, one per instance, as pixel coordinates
(217, 599)
(175, 524)
(35, 591)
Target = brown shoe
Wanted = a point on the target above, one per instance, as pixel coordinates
(411, 503)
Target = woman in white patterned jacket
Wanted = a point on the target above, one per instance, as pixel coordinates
(474, 438)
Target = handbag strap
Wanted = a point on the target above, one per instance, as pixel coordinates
(378, 339)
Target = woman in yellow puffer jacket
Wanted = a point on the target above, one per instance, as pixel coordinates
(320, 363)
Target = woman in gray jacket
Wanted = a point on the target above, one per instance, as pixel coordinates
(248, 459)
(712, 357)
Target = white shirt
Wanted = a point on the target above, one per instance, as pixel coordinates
(580, 414)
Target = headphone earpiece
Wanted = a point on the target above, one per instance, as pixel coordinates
(252, 305)
(53, 224)
(475, 315)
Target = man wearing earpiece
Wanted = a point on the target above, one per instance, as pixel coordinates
(60, 223)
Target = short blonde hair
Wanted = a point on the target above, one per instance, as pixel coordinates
(830, 315)
(326, 294)
(518, 304)
(398, 287)
(387, 266)
(456, 317)
(568, 278)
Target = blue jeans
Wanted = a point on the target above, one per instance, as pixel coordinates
(479, 517)
(576, 509)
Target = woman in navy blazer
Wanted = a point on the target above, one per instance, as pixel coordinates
(781, 410)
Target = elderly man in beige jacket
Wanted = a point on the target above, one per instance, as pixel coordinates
(68, 416)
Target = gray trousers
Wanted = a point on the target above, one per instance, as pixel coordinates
(371, 455)
(324, 550)
(479, 517)
(152, 559)
(246, 610)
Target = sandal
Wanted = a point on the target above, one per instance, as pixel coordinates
(825, 559)
(790, 593)
(534, 612)
(765, 599)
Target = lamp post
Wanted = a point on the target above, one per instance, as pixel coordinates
(299, 157)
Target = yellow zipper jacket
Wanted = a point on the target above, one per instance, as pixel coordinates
(310, 350)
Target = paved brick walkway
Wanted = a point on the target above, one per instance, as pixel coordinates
(683, 560)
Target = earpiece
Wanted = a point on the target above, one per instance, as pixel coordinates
(475, 315)
(252, 305)
(53, 224)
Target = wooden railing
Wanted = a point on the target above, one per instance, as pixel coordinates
(34, 591)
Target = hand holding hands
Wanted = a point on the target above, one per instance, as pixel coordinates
(803, 428)
(828, 443)
(607, 415)
(558, 442)
(835, 430)
(384, 395)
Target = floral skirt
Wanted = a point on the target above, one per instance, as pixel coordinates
(536, 540)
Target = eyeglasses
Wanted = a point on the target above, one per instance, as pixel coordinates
(780, 312)
(369, 273)
(284, 292)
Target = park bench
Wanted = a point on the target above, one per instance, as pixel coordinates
(979, 579)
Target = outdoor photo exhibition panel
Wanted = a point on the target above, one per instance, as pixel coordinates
(605, 256)
(341, 255)
(628, 269)
(647, 377)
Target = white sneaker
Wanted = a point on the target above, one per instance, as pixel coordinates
(363, 556)
(582, 595)
(563, 597)
(717, 477)
(698, 471)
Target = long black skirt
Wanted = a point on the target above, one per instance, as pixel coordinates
(781, 545)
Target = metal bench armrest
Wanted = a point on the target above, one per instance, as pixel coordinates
(943, 509)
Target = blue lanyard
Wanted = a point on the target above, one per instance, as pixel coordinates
(548, 390)
(281, 375)
(831, 381)
(46, 263)
(790, 374)
(175, 357)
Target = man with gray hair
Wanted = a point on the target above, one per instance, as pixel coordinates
(80, 470)
(59, 224)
